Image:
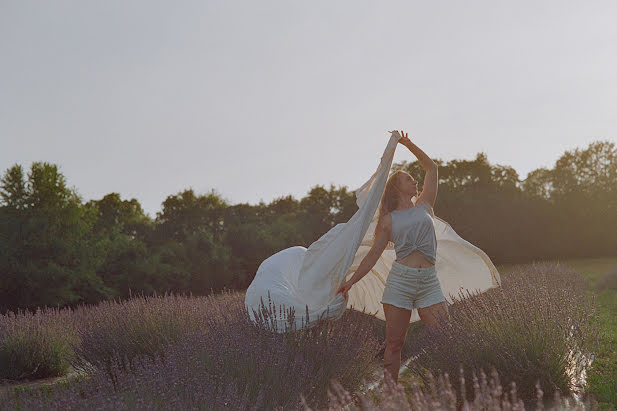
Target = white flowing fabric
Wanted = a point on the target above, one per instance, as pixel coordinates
(306, 279)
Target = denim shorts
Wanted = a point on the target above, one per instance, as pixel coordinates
(410, 287)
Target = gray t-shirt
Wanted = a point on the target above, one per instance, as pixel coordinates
(413, 229)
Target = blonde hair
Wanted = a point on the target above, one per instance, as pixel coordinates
(390, 198)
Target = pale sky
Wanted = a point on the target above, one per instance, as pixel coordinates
(261, 99)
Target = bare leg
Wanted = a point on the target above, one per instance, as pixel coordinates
(397, 323)
(432, 314)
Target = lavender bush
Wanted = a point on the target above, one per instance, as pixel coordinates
(119, 332)
(439, 394)
(535, 328)
(36, 344)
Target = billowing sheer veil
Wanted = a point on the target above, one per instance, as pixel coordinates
(306, 279)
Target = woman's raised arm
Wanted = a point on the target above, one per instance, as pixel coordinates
(431, 179)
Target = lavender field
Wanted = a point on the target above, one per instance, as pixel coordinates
(530, 343)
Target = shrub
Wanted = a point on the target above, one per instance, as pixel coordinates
(118, 332)
(36, 345)
(302, 361)
(536, 327)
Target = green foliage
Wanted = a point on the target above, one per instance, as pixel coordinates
(189, 237)
(185, 214)
(48, 254)
(591, 171)
(122, 230)
(322, 209)
(584, 195)
(14, 193)
(538, 184)
(54, 250)
(557, 213)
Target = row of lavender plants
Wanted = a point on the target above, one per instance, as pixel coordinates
(183, 352)
(192, 389)
(45, 343)
(438, 393)
(204, 352)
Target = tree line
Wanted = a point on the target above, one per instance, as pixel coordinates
(56, 250)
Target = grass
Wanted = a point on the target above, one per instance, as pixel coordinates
(603, 377)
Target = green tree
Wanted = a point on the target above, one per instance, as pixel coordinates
(186, 213)
(189, 238)
(591, 171)
(123, 230)
(322, 209)
(584, 190)
(538, 184)
(48, 254)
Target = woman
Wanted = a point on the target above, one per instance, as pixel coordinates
(412, 282)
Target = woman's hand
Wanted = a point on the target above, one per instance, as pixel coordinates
(344, 288)
(404, 140)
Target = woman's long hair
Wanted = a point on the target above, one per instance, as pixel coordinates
(390, 198)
